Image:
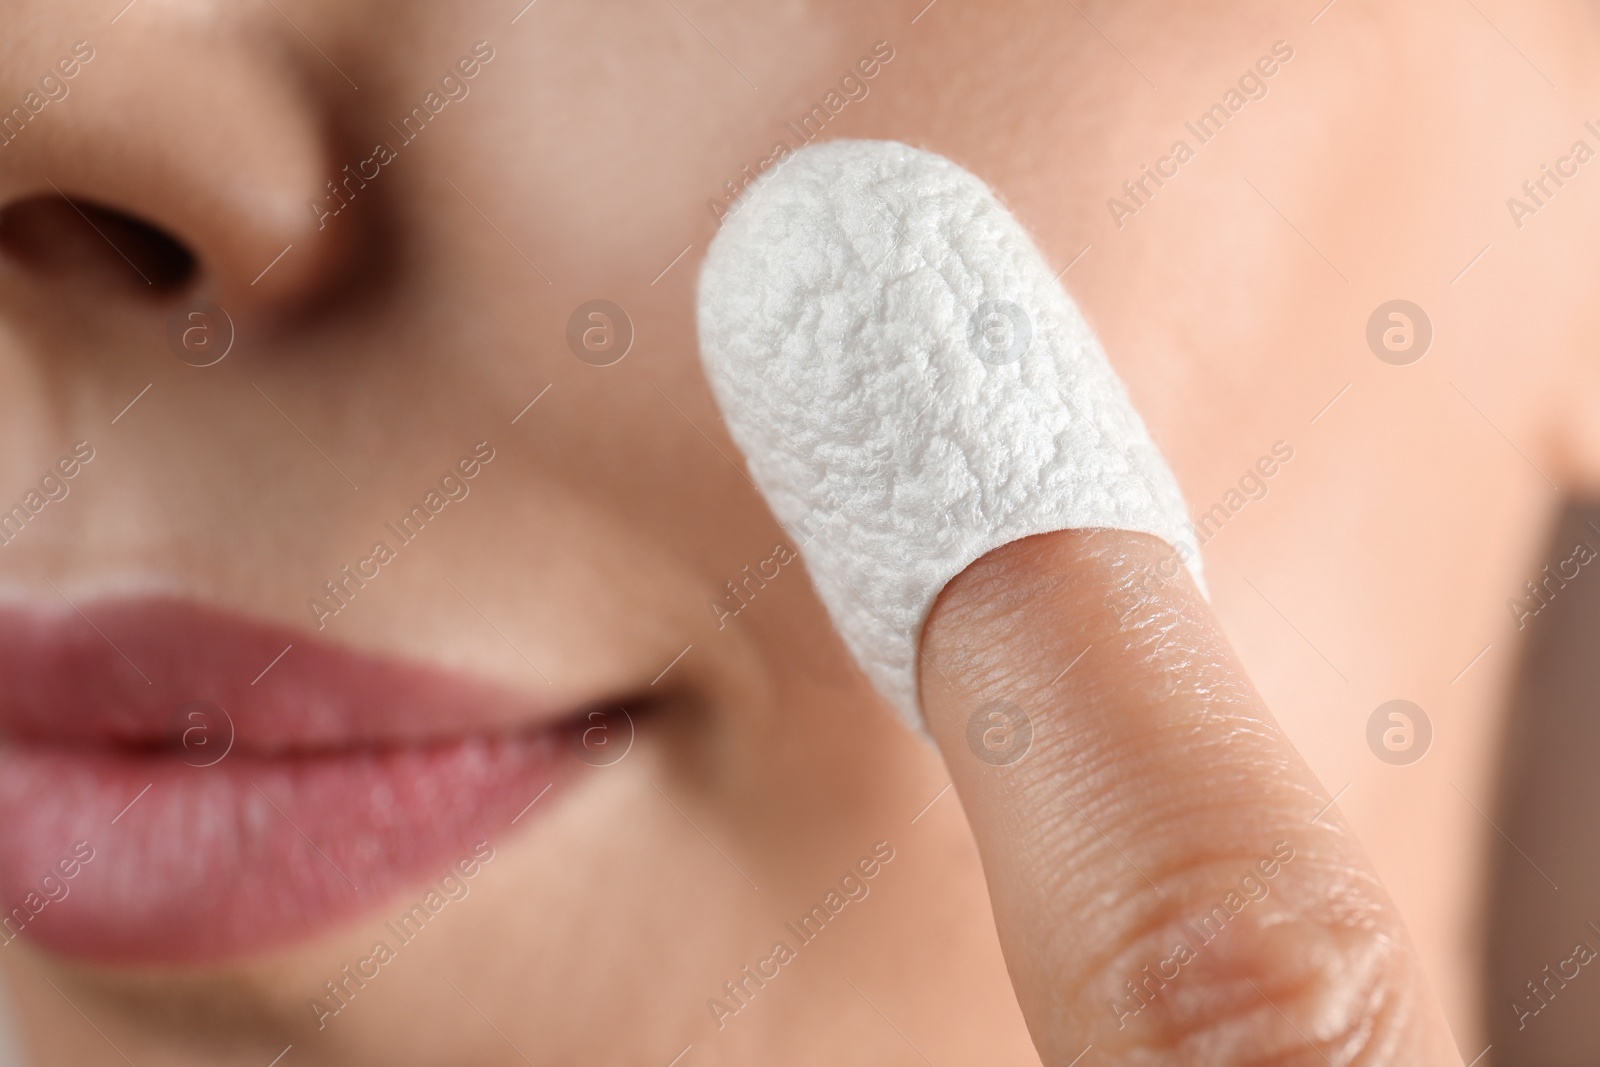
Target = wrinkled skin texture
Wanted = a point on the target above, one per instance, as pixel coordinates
(1238, 922)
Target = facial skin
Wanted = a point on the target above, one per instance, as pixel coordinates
(426, 315)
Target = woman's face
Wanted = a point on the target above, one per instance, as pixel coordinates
(450, 251)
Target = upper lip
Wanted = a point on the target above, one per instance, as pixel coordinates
(123, 672)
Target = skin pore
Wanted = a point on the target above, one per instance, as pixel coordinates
(427, 313)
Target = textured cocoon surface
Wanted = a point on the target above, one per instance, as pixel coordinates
(911, 388)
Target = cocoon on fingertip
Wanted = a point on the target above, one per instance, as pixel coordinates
(911, 388)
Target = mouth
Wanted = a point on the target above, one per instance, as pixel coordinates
(183, 786)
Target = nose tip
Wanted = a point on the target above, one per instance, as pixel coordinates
(195, 159)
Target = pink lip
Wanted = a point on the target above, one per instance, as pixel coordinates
(228, 810)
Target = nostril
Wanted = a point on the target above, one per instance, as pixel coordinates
(92, 245)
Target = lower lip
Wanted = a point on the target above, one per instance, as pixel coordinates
(192, 865)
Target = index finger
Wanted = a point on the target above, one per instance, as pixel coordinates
(1165, 884)
(969, 484)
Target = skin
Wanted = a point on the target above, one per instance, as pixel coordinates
(1198, 942)
(427, 314)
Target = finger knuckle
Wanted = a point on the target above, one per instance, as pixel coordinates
(1333, 985)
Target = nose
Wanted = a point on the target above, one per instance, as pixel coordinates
(164, 158)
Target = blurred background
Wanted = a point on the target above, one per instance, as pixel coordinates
(1546, 873)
